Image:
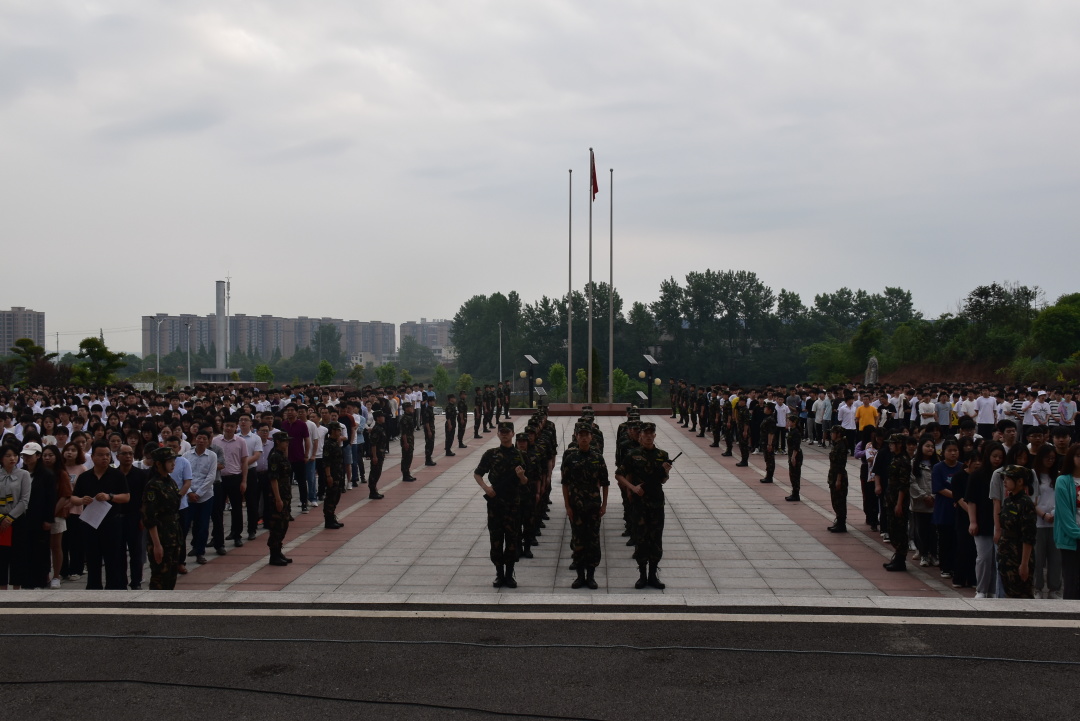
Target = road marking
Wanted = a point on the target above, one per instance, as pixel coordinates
(869, 620)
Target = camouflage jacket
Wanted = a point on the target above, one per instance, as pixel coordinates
(498, 465)
(584, 472)
(838, 458)
(280, 472)
(899, 478)
(1017, 527)
(794, 441)
(645, 467)
(334, 459)
(161, 509)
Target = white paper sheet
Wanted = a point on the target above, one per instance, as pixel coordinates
(95, 513)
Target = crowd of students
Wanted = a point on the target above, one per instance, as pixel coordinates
(991, 493)
(63, 449)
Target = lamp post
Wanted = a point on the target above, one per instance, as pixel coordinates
(647, 375)
(160, 321)
(528, 375)
(500, 352)
(188, 326)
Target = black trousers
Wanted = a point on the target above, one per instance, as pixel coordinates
(105, 547)
(135, 546)
(299, 474)
(227, 490)
(253, 497)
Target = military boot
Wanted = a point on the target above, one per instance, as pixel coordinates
(500, 577)
(508, 579)
(276, 559)
(580, 580)
(643, 579)
(838, 527)
(654, 580)
(589, 580)
(793, 497)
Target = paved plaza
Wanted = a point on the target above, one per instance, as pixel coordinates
(728, 539)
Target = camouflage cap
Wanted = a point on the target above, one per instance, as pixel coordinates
(506, 426)
(835, 429)
(407, 404)
(282, 436)
(1017, 473)
(648, 427)
(333, 426)
(162, 454)
(522, 437)
(583, 428)
(378, 414)
(897, 438)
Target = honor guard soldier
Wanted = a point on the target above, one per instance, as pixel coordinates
(742, 431)
(795, 457)
(643, 473)
(462, 419)
(378, 445)
(279, 473)
(768, 441)
(505, 468)
(450, 425)
(427, 421)
(161, 519)
(585, 491)
(334, 467)
(408, 440)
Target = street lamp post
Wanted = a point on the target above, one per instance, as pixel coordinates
(188, 326)
(648, 375)
(500, 353)
(160, 321)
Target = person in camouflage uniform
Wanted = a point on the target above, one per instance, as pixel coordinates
(768, 441)
(427, 421)
(489, 408)
(529, 492)
(585, 491)
(896, 498)
(505, 468)
(643, 473)
(716, 416)
(279, 475)
(378, 446)
(838, 480)
(161, 519)
(795, 457)
(478, 412)
(730, 427)
(741, 421)
(462, 419)
(1017, 535)
(450, 424)
(407, 426)
(334, 467)
(624, 449)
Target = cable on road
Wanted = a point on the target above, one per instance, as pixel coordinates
(292, 694)
(551, 646)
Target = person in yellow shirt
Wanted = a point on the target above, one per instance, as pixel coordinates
(865, 415)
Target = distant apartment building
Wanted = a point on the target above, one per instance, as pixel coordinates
(21, 323)
(435, 334)
(264, 334)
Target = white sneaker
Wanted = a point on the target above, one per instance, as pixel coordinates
(916, 557)
(55, 583)
(314, 504)
(924, 562)
(911, 546)
(980, 595)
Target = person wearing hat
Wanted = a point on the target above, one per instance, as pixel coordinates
(378, 446)
(279, 476)
(838, 479)
(527, 504)
(161, 519)
(897, 492)
(741, 423)
(504, 467)
(334, 475)
(450, 425)
(407, 426)
(32, 531)
(462, 411)
(585, 491)
(427, 422)
(1018, 532)
(642, 474)
(795, 457)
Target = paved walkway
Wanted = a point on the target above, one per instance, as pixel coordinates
(726, 535)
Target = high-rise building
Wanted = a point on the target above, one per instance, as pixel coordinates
(433, 334)
(21, 323)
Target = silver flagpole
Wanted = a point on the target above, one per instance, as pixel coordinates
(611, 289)
(588, 356)
(570, 297)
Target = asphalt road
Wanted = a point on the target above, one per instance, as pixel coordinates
(395, 681)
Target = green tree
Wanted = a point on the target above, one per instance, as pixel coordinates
(620, 383)
(386, 374)
(326, 342)
(406, 376)
(97, 365)
(1056, 331)
(356, 375)
(556, 378)
(417, 358)
(263, 373)
(581, 380)
(325, 374)
(441, 381)
(464, 383)
(28, 357)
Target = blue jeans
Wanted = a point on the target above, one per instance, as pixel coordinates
(200, 525)
(312, 481)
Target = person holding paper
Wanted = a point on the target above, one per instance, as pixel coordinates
(104, 544)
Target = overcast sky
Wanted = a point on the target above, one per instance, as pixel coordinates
(329, 155)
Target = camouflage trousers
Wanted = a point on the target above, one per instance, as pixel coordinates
(585, 536)
(279, 525)
(406, 456)
(744, 449)
(163, 575)
(649, 538)
(898, 530)
(528, 513)
(838, 487)
(631, 505)
(770, 460)
(729, 439)
(794, 466)
(504, 528)
(429, 443)
(1015, 587)
(331, 500)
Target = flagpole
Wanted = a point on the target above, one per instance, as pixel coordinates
(570, 295)
(588, 356)
(611, 288)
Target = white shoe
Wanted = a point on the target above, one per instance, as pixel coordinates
(314, 504)
(911, 547)
(924, 562)
(916, 557)
(980, 595)
(55, 583)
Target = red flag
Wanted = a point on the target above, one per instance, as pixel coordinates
(592, 174)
